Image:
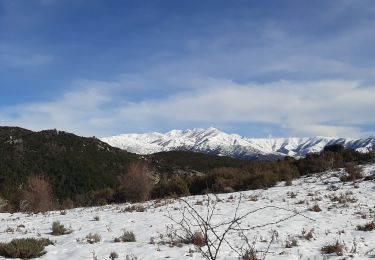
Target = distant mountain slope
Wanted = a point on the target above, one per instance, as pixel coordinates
(213, 141)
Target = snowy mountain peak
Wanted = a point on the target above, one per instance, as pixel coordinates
(214, 141)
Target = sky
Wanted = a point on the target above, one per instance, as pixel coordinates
(257, 68)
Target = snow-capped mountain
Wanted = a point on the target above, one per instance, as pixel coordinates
(213, 141)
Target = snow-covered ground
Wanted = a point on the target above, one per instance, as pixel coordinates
(336, 222)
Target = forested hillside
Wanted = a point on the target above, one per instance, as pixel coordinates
(73, 165)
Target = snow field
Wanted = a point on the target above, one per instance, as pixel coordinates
(343, 207)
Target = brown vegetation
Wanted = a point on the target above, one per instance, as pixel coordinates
(367, 227)
(137, 184)
(37, 196)
(353, 173)
(315, 208)
(127, 236)
(336, 248)
(58, 229)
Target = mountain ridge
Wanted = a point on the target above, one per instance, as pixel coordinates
(215, 142)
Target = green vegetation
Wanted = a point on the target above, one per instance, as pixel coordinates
(24, 248)
(73, 165)
(235, 175)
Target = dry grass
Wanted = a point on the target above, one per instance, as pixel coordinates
(113, 255)
(336, 248)
(353, 173)
(250, 255)
(93, 238)
(291, 242)
(308, 235)
(127, 236)
(137, 183)
(58, 229)
(37, 195)
(315, 208)
(198, 239)
(370, 226)
(135, 207)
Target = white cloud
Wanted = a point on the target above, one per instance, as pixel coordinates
(78, 111)
(326, 108)
(330, 108)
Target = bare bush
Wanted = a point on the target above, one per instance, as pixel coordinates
(214, 233)
(137, 184)
(198, 239)
(250, 255)
(367, 227)
(335, 248)
(58, 229)
(315, 208)
(308, 235)
(93, 238)
(131, 257)
(127, 236)
(353, 173)
(113, 255)
(37, 196)
(291, 242)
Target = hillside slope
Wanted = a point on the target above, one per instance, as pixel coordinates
(73, 164)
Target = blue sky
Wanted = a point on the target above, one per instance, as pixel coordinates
(257, 68)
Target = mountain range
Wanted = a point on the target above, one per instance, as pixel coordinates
(215, 142)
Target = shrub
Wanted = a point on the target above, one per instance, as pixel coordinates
(93, 238)
(291, 242)
(175, 186)
(127, 236)
(367, 227)
(136, 185)
(24, 248)
(58, 229)
(250, 255)
(288, 183)
(136, 208)
(315, 208)
(101, 197)
(131, 257)
(353, 171)
(336, 248)
(67, 204)
(343, 198)
(37, 195)
(198, 239)
(3, 203)
(308, 235)
(113, 255)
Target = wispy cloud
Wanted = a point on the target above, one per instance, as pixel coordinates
(14, 57)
